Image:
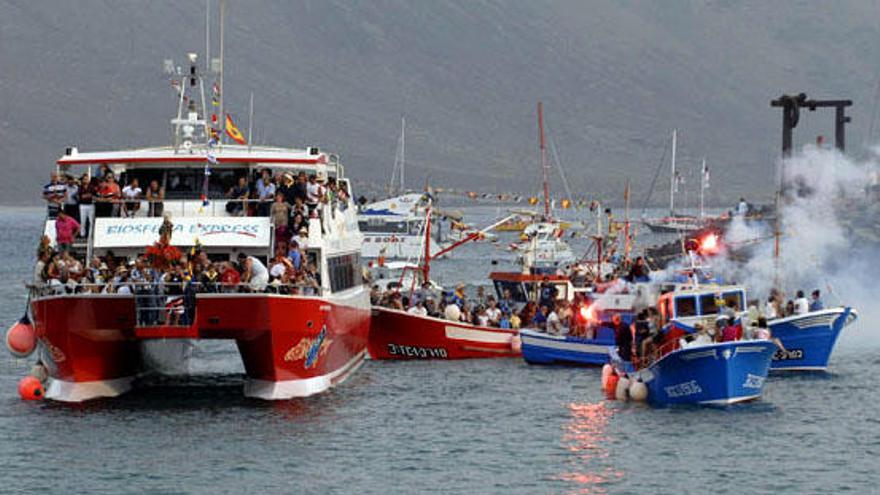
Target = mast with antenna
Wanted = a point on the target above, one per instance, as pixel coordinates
(222, 131)
(544, 165)
(702, 188)
(672, 177)
(402, 154)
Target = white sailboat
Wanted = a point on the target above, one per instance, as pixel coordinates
(393, 227)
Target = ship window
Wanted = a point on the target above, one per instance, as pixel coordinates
(344, 271)
(379, 226)
(685, 306)
(707, 304)
(189, 183)
(516, 290)
(734, 300)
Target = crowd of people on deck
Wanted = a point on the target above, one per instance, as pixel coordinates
(290, 201)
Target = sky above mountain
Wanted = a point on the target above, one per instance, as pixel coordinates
(615, 79)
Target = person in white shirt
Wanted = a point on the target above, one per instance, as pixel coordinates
(742, 208)
(554, 324)
(801, 305)
(314, 193)
(770, 309)
(493, 312)
(418, 309)
(131, 194)
(254, 272)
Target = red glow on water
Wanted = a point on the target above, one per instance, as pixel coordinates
(590, 468)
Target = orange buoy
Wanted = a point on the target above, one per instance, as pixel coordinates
(21, 339)
(30, 388)
(611, 385)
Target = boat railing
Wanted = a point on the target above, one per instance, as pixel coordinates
(161, 289)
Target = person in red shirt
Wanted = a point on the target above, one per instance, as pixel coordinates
(230, 278)
(66, 228)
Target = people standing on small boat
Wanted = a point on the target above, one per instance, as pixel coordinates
(623, 338)
(816, 301)
(801, 305)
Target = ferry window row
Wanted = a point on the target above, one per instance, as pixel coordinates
(344, 271)
(372, 226)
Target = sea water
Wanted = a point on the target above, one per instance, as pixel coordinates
(479, 426)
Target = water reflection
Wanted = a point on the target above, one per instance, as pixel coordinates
(589, 467)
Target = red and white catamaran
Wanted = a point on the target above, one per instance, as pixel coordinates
(293, 342)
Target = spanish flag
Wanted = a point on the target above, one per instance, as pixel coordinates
(233, 131)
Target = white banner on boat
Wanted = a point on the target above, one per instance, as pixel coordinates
(208, 231)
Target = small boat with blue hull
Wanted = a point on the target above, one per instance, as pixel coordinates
(809, 339)
(720, 373)
(543, 348)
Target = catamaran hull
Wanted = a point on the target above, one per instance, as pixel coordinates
(723, 373)
(809, 339)
(543, 348)
(291, 346)
(399, 335)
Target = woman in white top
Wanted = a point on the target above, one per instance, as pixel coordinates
(131, 195)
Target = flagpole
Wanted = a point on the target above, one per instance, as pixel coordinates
(222, 116)
(207, 36)
(250, 121)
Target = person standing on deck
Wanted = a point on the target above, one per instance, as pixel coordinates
(266, 193)
(66, 228)
(314, 192)
(54, 193)
(71, 201)
(87, 190)
(801, 305)
(742, 209)
(623, 338)
(816, 301)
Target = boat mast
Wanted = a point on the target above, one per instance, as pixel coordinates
(627, 247)
(222, 131)
(544, 166)
(426, 266)
(402, 154)
(702, 188)
(672, 177)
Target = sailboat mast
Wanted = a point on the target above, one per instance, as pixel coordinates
(402, 153)
(426, 266)
(702, 188)
(672, 177)
(222, 131)
(544, 165)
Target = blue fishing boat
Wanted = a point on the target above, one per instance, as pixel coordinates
(687, 366)
(720, 373)
(543, 348)
(809, 339)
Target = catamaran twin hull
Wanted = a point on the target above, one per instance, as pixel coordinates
(291, 346)
(397, 334)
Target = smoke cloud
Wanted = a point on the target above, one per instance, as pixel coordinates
(829, 239)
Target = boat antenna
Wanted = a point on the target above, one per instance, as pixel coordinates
(544, 165)
(222, 120)
(672, 178)
(250, 121)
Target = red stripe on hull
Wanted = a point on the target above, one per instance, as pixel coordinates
(399, 335)
(88, 338)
